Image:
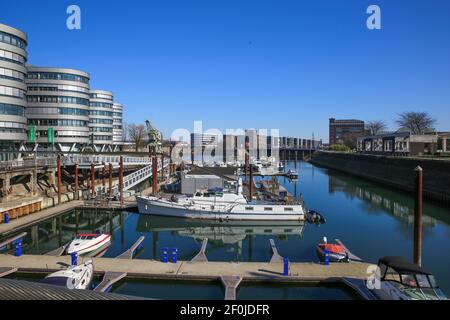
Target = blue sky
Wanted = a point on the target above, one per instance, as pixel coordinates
(250, 63)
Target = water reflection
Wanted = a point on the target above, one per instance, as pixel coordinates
(375, 198)
(230, 236)
(58, 231)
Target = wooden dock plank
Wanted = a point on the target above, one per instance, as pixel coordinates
(143, 268)
(4, 271)
(276, 257)
(230, 283)
(129, 253)
(351, 256)
(201, 256)
(57, 252)
(109, 279)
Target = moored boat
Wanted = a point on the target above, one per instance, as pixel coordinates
(87, 243)
(398, 279)
(74, 277)
(333, 252)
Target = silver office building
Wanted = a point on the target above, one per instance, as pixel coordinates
(13, 58)
(58, 101)
(117, 125)
(101, 119)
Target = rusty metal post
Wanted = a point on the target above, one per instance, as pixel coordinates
(92, 179)
(154, 175)
(418, 217)
(121, 180)
(162, 167)
(104, 176)
(110, 178)
(76, 181)
(59, 178)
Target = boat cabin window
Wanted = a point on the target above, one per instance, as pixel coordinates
(267, 208)
(288, 209)
(198, 194)
(422, 280)
(392, 275)
(249, 208)
(409, 280)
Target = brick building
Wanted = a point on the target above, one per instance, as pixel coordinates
(339, 128)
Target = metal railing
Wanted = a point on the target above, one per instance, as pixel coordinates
(28, 163)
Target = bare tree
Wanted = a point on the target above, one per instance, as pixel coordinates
(416, 122)
(375, 127)
(137, 135)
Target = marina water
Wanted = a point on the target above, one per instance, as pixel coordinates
(372, 220)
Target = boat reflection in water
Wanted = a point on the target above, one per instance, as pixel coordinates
(228, 240)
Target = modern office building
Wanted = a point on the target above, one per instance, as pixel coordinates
(58, 107)
(13, 58)
(117, 125)
(338, 129)
(101, 119)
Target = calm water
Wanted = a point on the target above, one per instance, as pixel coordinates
(372, 220)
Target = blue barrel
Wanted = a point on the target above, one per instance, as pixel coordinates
(174, 255)
(286, 267)
(74, 258)
(327, 258)
(18, 252)
(6, 217)
(166, 255)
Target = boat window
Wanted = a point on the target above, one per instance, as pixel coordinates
(288, 209)
(393, 275)
(432, 281)
(198, 194)
(57, 281)
(423, 281)
(409, 280)
(382, 267)
(212, 207)
(249, 208)
(267, 208)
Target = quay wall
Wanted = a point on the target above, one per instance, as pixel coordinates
(397, 172)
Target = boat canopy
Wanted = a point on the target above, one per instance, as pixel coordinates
(401, 265)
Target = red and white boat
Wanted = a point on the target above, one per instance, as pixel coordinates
(86, 243)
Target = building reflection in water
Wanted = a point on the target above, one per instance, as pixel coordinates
(377, 198)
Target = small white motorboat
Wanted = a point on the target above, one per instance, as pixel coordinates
(87, 243)
(74, 277)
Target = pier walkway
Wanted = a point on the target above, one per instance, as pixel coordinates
(151, 269)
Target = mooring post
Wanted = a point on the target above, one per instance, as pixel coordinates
(59, 178)
(74, 258)
(285, 267)
(104, 176)
(154, 175)
(110, 178)
(418, 217)
(92, 179)
(18, 252)
(121, 180)
(76, 181)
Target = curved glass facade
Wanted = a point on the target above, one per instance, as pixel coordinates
(13, 57)
(59, 98)
(101, 117)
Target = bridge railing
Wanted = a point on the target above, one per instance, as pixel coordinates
(28, 163)
(83, 160)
